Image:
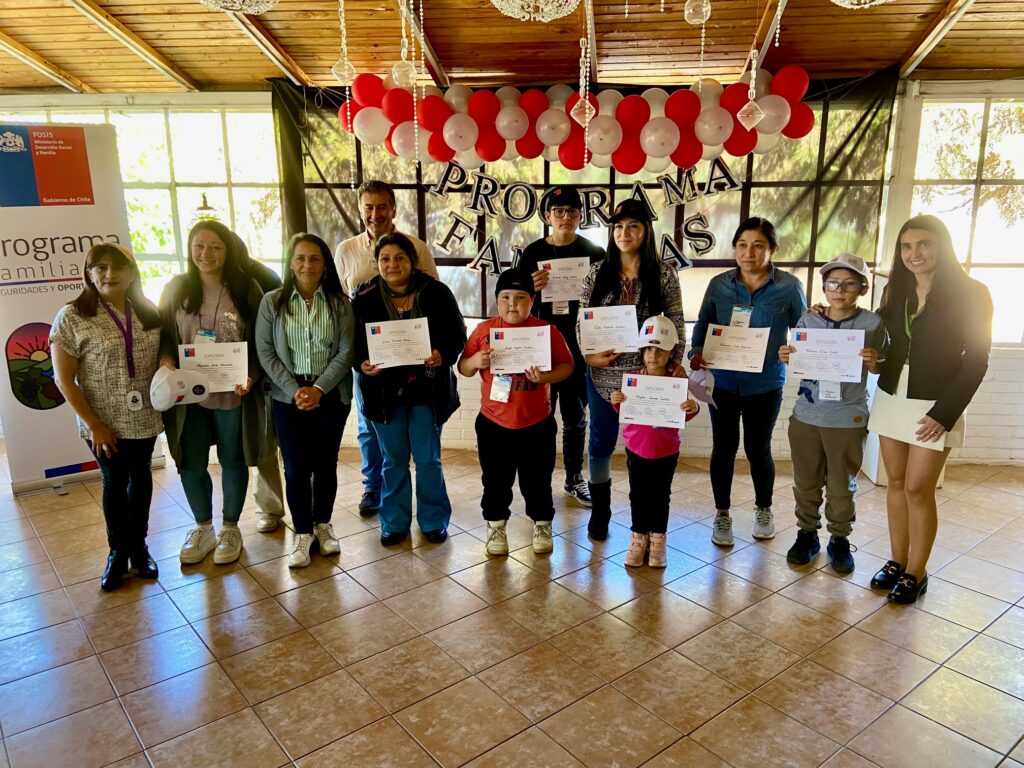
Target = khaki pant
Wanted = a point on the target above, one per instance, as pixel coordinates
(825, 458)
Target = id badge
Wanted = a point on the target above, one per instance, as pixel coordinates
(135, 401)
(204, 336)
(501, 388)
(740, 316)
(830, 390)
(560, 307)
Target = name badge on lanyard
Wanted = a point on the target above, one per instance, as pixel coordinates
(501, 389)
(741, 316)
(830, 390)
(204, 336)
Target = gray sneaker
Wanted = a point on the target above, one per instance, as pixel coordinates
(721, 532)
(497, 540)
(199, 542)
(764, 523)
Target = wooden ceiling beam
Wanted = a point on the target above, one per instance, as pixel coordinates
(43, 66)
(268, 45)
(943, 22)
(434, 66)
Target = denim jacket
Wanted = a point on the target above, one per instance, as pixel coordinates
(777, 304)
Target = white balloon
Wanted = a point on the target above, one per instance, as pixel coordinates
(657, 164)
(713, 126)
(656, 98)
(709, 91)
(762, 86)
(776, 114)
(553, 127)
(512, 122)
(508, 95)
(551, 154)
(711, 152)
(460, 132)
(605, 135)
(468, 159)
(608, 100)
(601, 161)
(767, 142)
(511, 153)
(559, 94)
(370, 125)
(432, 90)
(458, 98)
(404, 140)
(659, 137)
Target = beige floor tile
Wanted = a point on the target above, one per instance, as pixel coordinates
(142, 663)
(52, 694)
(267, 670)
(695, 541)
(606, 584)
(566, 558)
(276, 577)
(1009, 627)
(961, 606)
(88, 598)
(917, 631)
(312, 715)
(740, 656)
(617, 541)
(835, 597)
(549, 609)
(44, 649)
(900, 737)
(987, 578)
(363, 633)
(236, 740)
(1000, 550)
(383, 743)
(95, 737)
(847, 759)
(27, 581)
(75, 542)
(499, 579)
(138, 760)
(403, 675)
(209, 597)
(483, 639)
(395, 575)
(435, 604)
(133, 621)
(461, 551)
(994, 663)
(531, 747)
(326, 599)
(881, 666)
(52, 501)
(174, 574)
(36, 612)
(763, 567)
(607, 646)
(21, 554)
(718, 590)
(790, 624)
(363, 548)
(66, 519)
(245, 627)
(540, 681)
(667, 617)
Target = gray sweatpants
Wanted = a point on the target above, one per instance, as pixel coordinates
(825, 458)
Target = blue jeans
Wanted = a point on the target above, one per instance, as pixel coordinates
(205, 427)
(604, 434)
(412, 433)
(369, 445)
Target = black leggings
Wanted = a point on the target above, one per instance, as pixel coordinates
(758, 413)
(127, 491)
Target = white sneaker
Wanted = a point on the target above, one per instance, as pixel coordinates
(542, 542)
(721, 533)
(325, 537)
(497, 540)
(199, 542)
(299, 558)
(764, 523)
(267, 523)
(229, 545)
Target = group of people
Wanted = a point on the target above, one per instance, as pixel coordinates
(309, 361)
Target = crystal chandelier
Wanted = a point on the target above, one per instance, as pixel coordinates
(248, 7)
(536, 10)
(858, 3)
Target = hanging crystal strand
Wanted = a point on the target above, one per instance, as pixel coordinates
(585, 90)
(752, 91)
(627, 9)
(778, 21)
(662, 6)
(415, 82)
(703, 28)
(347, 76)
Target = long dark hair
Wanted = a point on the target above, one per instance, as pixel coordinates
(329, 281)
(949, 272)
(87, 302)
(608, 281)
(234, 275)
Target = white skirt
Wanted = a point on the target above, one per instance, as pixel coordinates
(955, 436)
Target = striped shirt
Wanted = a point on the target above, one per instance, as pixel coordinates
(310, 334)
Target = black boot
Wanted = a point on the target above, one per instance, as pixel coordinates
(143, 562)
(601, 511)
(113, 574)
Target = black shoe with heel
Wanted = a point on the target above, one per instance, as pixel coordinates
(113, 574)
(908, 589)
(144, 563)
(887, 576)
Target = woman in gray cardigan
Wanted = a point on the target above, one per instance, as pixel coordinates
(304, 338)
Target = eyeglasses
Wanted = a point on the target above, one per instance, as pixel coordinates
(846, 286)
(565, 213)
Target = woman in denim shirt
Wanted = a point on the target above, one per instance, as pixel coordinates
(758, 295)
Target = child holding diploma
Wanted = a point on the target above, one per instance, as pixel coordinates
(652, 453)
(829, 423)
(515, 428)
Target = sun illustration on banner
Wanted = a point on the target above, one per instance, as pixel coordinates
(31, 369)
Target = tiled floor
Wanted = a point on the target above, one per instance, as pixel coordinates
(422, 655)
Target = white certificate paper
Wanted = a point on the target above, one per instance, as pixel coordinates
(827, 354)
(653, 400)
(897, 417)
(604, 328)
(225, 364)
(565, 278)
(732, 348)
(398, 342)
(513, 350)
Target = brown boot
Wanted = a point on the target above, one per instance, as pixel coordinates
(637, 548)
(657, 557)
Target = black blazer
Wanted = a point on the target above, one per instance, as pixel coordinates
(948, 349)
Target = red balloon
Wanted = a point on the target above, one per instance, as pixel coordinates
(432, 112)
(683, 107)
(689, 150)
(368, 90)
(346, 114)
(530, 146)
(735, 97)
(489, 145)
(387, 141)
(574, 100)
(572, 152)
(484, 107)
(533, 102)
(741, 142)
(397, 105)
(791, 83)
(632, 112)
(438, 149)
(801, 122)
(629, 158)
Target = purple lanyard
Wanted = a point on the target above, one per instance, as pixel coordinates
(126, 332)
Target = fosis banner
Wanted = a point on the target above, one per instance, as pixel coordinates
(60, 194)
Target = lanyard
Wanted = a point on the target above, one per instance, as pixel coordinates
(127, 332)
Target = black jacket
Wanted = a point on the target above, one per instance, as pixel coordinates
(948, 349)
(447, 336)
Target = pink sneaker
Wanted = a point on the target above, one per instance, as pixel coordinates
(637, 548)
(657, 557)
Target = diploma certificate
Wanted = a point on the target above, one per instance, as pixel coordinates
(398, 342)
(827, 354)
(513, 350)
(604, 328)
(732, 348)
(897, 417)
(565, 278)
(225, 365)
(653, 400)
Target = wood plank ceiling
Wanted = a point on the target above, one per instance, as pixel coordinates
(134, 46)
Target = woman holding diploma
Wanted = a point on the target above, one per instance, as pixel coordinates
(408, 404)
(754, 295)
(214, 302)
(305, 336)
(630, 274)
(940, 327)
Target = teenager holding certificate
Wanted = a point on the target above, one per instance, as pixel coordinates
(754, 295)
(631, 274)
(214, 302)
(305, 336)
(940, 324)
(406, 405)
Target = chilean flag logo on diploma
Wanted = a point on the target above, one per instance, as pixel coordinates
(631, 382)
(375, 330)
(801, 335)
(588, 315)
(44, 165)
(716, 331)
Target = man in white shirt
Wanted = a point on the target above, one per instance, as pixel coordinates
(356, 264)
